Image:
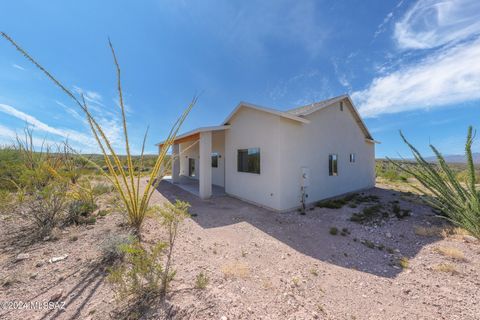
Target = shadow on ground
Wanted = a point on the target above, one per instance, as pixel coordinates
(310, 234)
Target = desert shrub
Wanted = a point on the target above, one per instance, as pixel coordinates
(388, 171)
(102, 188)
(11, 169)
(148, 273)
(201, 281)
(333, 231)
(332, 204)
(112, 247)
(459, 203)
(123, 175)
(366, 198)
(368, 214)
(47, 206)
(142, 273)
(7, 201)
(171, 215)
(79, 212)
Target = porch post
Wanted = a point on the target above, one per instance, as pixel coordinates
(176, 163)
(205, 181)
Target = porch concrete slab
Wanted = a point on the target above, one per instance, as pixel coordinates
(192, 186)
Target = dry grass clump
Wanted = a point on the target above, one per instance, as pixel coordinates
(429, 231)
(443, 232)
(404, 262)
(445, 267)
(236, 270)
(451, 252)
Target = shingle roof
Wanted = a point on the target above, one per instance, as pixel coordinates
(306, 110)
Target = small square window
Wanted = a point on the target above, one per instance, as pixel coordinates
(248, 160)
(215, 157)
(333, 165)
(352, 157)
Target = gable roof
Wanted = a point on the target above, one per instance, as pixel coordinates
(264, 109)
(296, 114)
(311, 108)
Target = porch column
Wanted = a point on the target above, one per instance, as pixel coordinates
(176, 163)
(205, 181)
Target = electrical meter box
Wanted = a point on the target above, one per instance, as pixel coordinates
(305, 179)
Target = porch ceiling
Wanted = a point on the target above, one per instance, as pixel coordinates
(194, 134)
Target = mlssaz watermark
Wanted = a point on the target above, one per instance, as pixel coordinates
(31, 305)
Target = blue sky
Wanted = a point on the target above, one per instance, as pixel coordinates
(410, 65)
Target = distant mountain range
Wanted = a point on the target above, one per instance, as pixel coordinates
(456, 158)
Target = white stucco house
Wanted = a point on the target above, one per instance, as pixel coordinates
(274, 158)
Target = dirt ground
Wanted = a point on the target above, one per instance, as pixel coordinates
(260, 264)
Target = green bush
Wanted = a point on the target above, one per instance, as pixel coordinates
(201, 281)
(459, 202)
(79, 212)
(142, 273)
(333, 231)
(11, 169)
(112, 248)
(147, 274)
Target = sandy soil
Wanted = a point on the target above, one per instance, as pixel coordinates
(261, 265)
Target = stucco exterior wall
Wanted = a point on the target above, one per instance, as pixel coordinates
(330, 131)
(254, 129)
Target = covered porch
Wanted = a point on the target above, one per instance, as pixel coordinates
(193, 186)
(198, 161)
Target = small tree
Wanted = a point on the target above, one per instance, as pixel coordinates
(459, 202)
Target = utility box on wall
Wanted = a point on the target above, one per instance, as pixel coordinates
(305, 179)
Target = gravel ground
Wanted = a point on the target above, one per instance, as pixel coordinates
(260, 264)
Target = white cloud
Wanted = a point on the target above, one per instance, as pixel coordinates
(92, 97)
(72, 112)
(449, 76)
(8, 138)
(69, 134)
(449, 72)
(383, 26)
(433, 23)
(16, 66)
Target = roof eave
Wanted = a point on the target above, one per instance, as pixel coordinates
(197, 130)
(264, 109)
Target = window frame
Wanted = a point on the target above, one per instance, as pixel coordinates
(216, 156)
(353, 158)
(333, 164)
(251, 158)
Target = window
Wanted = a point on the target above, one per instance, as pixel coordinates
(248, 160)
(352, 157)
(341, 105)
(215, 157)
(332, 165)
